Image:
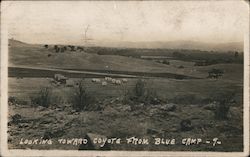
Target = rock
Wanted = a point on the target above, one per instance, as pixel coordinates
(186, 125)
(173, 130)
(23, 125)
(168, 107)
(58, 109)
(76, 113)
(155, 101)
(124, 108)
(141, 105)
(172, 114)
(210, 106)
(40, 108)
(46, 122)
(153, 111)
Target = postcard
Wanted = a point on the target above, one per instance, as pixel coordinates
(125, 78)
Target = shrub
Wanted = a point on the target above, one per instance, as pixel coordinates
(186, 125)
(15, 101)
(223, 104)
(139, 88)
(127, 98)
(152, 97)
(166, 62)
(12, 99)
(81, 99)
(43, 98)
(236, 54)
(181, 67)
(215, 73)
(141, 94)
(16, 118)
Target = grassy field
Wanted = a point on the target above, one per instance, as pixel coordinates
(166, 88)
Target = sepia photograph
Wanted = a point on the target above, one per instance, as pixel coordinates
(125, 78)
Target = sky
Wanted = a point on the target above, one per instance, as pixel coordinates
(64, 22)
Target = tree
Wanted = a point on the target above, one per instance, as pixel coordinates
(223, 104)
(82, 100)
(56, 48)
(236, 54)
(139, 88)
(215, 73)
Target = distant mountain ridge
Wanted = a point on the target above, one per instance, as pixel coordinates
(189, 45)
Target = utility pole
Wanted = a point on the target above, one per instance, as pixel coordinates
(86, 39)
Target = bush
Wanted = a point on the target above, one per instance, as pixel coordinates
(152, 97)
(186, 125)
(215, 73)
(141, 94)
(139, 88)
(128, 96)
(43, 98)
(181, 67)
(166, 62)
(223, 103)
(81, 99)
(12, 99)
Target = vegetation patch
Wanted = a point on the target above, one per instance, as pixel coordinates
(43, 98)
(82, 100)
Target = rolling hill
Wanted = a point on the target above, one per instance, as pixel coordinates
(37, 56)
(23, 54)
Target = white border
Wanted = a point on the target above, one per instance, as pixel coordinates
(14, 152)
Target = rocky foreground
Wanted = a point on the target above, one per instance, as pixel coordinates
(29, 127)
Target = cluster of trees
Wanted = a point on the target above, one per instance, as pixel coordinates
(215, 73)
(65, 48)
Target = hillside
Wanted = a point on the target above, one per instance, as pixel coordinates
(37, 56)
